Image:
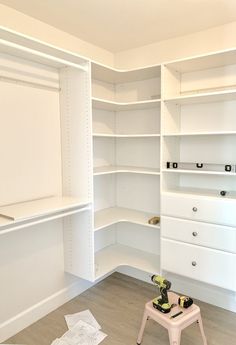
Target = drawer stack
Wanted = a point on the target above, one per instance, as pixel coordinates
(199, 238)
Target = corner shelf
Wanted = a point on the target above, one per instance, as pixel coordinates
(103, 104)
(114, 215)
(114, 76)
(108, 135)
(124, 169)
(21, 215)
(108, 259)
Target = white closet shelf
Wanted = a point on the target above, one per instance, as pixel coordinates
(200, 192)
(41, 57)
(199, 133)
(21, 215)
(108, 259)
(202, 62)
(204, 97)
(198, 172)
(108, 135)
(114, 215)
(103, 104)
(108, 169)
(114, 76)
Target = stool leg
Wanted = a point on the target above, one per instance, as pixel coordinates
(202, 330)
(143, 324)
(174, 336)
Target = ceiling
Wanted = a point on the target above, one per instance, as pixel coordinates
(118, 25)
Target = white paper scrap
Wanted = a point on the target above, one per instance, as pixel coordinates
(82, 334)
(85, 316)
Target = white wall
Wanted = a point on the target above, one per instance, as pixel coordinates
(218, 38)
(24, 24)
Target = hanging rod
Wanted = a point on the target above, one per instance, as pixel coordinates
(29, 83)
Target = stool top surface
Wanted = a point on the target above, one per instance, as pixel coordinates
(173, 299)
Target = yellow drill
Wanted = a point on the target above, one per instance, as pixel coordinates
(162, 302)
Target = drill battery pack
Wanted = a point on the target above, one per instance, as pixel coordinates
(162, 307)
(185, 302)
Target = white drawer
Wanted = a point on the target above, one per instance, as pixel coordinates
(203, 234)
(200, 208)
(207, 265)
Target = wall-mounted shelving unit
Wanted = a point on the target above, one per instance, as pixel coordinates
(97, 159)
(46, 170)
(199, 126)
(126, 141)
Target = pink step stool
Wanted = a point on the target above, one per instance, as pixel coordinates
(176, 325)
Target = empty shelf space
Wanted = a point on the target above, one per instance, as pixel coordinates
(113, 215)
(108, 259)
(28, 213)
(111, 135)
(125, 169)
(122, 106)
(204, 97)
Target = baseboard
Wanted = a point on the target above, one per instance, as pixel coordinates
(207, 293)
(39, 310)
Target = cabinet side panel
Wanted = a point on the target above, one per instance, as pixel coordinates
(78, 245)
(76, 131)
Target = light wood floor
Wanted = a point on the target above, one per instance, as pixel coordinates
(117, 303)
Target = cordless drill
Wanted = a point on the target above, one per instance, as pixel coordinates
(162, 302)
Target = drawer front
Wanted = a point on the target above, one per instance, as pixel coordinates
(212, 210)
(204, 264)
(203, 234)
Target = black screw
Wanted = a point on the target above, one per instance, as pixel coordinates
(223, 192)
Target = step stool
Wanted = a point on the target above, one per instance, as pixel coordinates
(176, 325)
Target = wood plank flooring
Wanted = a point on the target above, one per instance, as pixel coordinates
(117, 303)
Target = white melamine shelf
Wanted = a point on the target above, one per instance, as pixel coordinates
(48, 59)
(108, 135)
(201, 192)
(204, 97)
(114, 215)
(124, 169)
(103, 104)
(199, 133)
(19, 215)
(202, 62)
(115, 76)
(198, 172)
(108, 259)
